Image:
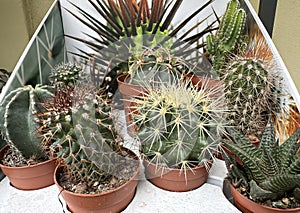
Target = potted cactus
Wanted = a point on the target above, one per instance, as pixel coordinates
(268, 179)
(94, 166)
(253, 87)
(23, 159)
(78, 127)
(179, 129)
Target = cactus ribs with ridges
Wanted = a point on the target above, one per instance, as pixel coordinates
(230, 38)
(179, 125)
(78, 127)
(19, 124)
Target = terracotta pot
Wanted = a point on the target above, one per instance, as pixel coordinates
(199, 81)
(128, 91)
(248, 206)
(114, 200)
(175, 179)
(29, 177)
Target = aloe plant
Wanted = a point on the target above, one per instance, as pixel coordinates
(132, 26)
(269, 171)
(179, 125)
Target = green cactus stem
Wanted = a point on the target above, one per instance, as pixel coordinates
(248, 92)
(81, 132)
(179, 124)
(67, 74)
(152, 66)
(18, 122)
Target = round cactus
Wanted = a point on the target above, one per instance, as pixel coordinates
(179, 124)
(80, 131)
(248, 92)
(152, 66)
(18, 121)
(66, 74)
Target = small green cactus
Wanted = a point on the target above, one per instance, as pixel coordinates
(18, 122)
(269, 171)
(179, 125)
(78, 127)
(229, 39)
(154, 66)
(66, 74)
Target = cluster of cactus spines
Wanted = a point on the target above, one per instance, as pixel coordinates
(67, 74)
(179, 125)
(229, 38)
(152, 66)
(270, 170)
(18, 122)
(4, 75)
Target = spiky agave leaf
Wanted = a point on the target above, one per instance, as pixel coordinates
(131, 20)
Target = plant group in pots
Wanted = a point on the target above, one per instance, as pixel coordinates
(268, 179)
(179, 130)
(23, 159)
(96, 173)
(253, 87)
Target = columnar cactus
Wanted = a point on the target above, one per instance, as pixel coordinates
(248, 92)
(18, 122)
(179, 124)
(252, 88)
(229, 39)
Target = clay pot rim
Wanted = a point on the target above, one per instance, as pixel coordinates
(168, 169)
(134, 177)
(264, 206)
(24, 167)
